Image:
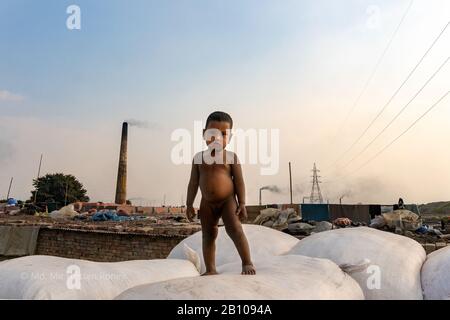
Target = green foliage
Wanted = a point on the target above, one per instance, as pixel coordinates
(53, 187)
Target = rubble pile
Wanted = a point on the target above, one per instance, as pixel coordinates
(105, 221)
(402, 222)
(407, 223)
(289, 221)
(9, 209)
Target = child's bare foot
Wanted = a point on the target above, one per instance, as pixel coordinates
(248, 269)
(210, 273)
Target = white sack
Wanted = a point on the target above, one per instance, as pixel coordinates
(395, 261)
(263, 241)
(46, 277)
(281, 277)
(436, 275)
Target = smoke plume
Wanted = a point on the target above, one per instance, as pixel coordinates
(141, 124)
(272, 188)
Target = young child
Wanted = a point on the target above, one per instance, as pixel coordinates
(219, 175)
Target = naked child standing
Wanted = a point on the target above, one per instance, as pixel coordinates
(218, 173)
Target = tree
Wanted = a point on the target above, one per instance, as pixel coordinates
(59, 188)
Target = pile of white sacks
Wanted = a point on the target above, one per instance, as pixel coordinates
(353, 263)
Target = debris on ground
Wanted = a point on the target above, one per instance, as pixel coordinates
(300, 228)
(66, 212)
(9, 208)
(277, 219)
(289, 221)
(342, 222)
(404, 219)
(322, 226)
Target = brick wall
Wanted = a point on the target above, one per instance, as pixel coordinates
(104, 247)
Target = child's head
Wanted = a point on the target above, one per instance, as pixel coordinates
(218, 129)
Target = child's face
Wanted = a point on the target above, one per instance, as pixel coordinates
(217, 134)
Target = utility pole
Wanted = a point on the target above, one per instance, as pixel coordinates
(67, 189)
(316, 195)
(9, 189)
(290, 181)
(39, 172)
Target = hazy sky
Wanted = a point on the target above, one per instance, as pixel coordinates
(292, 65)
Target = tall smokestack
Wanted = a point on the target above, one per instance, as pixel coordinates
(121, 188)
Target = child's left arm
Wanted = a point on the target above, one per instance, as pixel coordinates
(239, 187)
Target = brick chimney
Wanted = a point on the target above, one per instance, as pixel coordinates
(121, 188)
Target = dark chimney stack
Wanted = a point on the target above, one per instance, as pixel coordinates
(121, 188)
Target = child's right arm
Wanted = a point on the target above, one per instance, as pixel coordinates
(192, 191)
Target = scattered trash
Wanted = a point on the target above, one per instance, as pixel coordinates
(342, 222)
(434, 232)
(268, 224)
(277, 219)
(281, 222)
(322, 226)
(378, 222)
(41, 214)
(300, 228)
(403, 219)
(266, 214)
(409, 234)
(13, 212)
(66, 212)
(422, 229)
(294, 220)
(81, 217)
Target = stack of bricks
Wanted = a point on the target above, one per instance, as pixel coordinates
(129, 209)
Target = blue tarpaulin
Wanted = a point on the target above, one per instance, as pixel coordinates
(315, 212)
(12, 202)
(111, 215)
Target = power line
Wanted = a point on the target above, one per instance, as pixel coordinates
(398, 114)
(375, 69)
(399, 136)
(393, 96)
